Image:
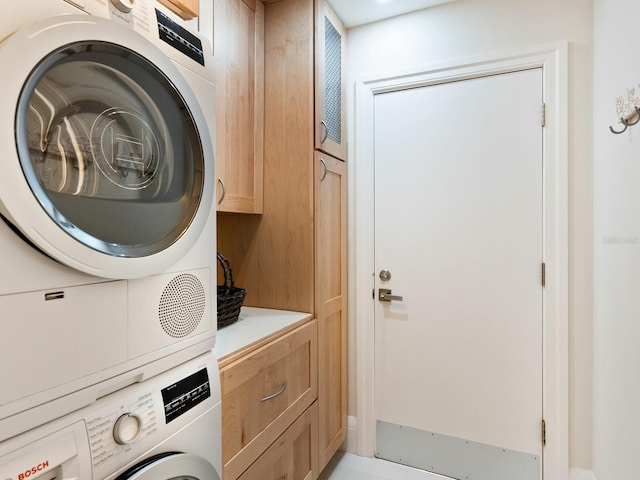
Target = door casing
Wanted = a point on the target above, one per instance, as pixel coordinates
(553, 60)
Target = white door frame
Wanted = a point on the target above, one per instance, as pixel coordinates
(553, 60)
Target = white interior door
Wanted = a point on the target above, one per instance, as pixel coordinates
(459, 226)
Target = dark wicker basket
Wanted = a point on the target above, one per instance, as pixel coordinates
(230, 297)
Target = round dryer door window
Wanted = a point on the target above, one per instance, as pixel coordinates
(114, 158)
(110, 149)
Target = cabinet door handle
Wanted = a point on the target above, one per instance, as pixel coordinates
(324, 173)
(323, 136)
(224, 190)
(274, 395)
(286, 476)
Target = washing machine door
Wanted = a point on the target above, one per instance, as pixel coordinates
(107, 159)
(171, 466)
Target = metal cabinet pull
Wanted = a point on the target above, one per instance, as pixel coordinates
(224, 190)
(274, 395)
(323, 136)
(286, 476)
(324, 173)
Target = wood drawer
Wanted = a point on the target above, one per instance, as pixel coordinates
(294, 455)
(263, 393)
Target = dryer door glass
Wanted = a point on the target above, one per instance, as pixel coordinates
(110, 149)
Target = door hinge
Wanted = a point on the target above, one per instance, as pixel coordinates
(543, 274)
(373, 293)
(544, 114)
(543, 428)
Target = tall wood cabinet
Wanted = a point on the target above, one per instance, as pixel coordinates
(238, 46)
(293, 256)
(331, 302)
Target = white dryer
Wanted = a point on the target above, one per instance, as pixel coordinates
(167, 427)
(107, 236)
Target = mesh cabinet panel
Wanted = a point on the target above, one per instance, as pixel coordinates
(333, 81)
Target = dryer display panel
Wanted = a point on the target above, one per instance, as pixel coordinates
(110, 149)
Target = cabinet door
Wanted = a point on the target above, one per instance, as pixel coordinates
(238, 46)
(331, 303)
(293, 456)
(330, 128)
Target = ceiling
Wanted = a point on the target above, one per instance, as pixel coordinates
(358, 12)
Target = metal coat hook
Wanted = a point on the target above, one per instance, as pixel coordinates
(626, 121)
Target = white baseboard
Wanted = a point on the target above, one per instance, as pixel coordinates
(580, 474)
(350, 444)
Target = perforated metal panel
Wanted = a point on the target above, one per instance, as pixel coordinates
(182, 305)
(333, 81)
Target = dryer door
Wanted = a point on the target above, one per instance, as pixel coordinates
(107, 160)
(171, 466)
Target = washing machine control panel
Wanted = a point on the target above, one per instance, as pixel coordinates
(115, 429)
(183, 395)
(136, 419)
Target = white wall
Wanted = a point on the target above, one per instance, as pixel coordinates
(617, 245)
(468, 28)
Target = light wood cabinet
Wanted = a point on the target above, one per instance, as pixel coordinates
(186, 9)
(330, 97)
(238, 46)
(294, 455)
(263, 393)
(293, 257)
(273, 256)
(331, 302)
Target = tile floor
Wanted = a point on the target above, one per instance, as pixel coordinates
(346, 466)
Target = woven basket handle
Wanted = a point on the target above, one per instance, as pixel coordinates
(226, 267)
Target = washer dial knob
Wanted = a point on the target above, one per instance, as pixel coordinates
(127, 428)
(123, 5)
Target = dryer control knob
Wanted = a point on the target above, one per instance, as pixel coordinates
(127, 428)
(123, 5)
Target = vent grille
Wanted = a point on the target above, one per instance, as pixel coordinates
(333, 82)
(182, 305)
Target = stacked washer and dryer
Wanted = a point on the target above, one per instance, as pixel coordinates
(107, 244)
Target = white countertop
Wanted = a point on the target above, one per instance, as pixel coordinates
(253, 325)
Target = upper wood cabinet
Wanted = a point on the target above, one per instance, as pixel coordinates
(238, 48)
(186, 9)
(273, 255)
(330, 57)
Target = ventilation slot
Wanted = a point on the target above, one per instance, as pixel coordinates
(182, 306)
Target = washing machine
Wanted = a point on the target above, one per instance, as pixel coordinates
(167, 427)
(107, 235)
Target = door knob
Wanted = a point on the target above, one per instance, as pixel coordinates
(384, 295)
(385, 275)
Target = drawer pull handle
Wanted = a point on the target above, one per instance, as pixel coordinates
(274, 395)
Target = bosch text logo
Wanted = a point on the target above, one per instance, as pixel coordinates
(34, 470)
